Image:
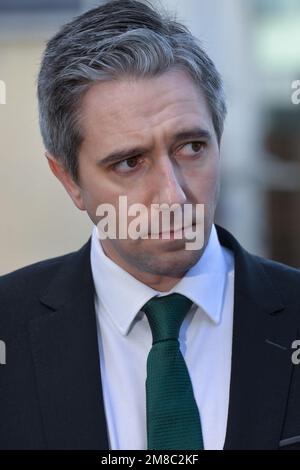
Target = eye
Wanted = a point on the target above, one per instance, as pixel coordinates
(126, 166)
(193, 148)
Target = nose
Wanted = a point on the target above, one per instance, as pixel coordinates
(168, 184)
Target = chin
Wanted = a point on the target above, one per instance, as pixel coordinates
(169, 263)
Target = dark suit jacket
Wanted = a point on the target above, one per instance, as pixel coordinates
(50, 387)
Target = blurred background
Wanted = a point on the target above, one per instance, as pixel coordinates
(256, 47)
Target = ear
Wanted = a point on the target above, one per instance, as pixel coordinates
(66, 180)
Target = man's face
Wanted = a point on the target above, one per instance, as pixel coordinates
(146, 116)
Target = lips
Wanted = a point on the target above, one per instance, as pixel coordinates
(172, 232)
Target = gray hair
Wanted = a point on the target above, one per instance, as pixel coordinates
(119, 38)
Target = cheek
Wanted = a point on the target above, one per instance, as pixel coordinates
(205, 185)
(213, 182)
(212, 176)
(96, 188)
(93, 196)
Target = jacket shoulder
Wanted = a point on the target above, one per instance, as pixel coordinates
(255, 270)
(20, 291)
(285, 278)
(31, 275)
(277, 269)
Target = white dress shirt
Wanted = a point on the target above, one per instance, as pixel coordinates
(125, 339)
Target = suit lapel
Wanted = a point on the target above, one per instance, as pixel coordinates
(66, 358)
(261, 356)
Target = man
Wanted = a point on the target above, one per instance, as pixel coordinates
(130, 105)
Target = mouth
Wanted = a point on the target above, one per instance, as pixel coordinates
(170, 235)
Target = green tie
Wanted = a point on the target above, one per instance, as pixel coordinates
(173, 421)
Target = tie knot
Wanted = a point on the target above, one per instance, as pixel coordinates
(165, 315)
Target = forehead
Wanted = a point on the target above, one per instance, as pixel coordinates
(135, 105)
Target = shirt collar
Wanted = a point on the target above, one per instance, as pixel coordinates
(123, 296)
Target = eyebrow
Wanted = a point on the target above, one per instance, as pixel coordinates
(123, 154)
